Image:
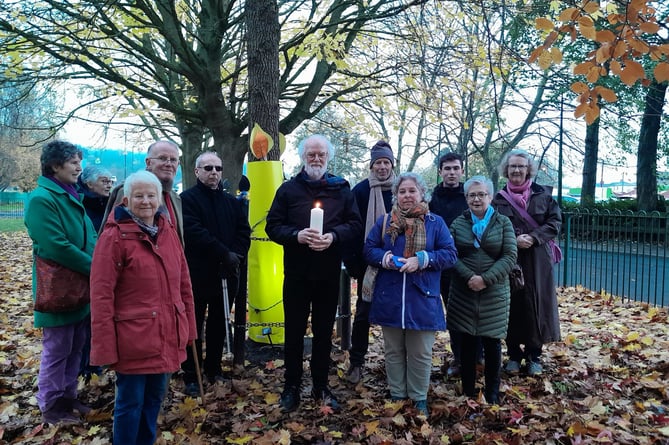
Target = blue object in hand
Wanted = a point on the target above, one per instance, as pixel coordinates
(398, 263)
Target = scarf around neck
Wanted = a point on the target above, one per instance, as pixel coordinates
(376, 207)
(151, 230)
(520, 193)
(479, 225)
(412, 223)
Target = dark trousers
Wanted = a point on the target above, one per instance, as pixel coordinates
(493, 362)
(136, 407)
(301, 297)
(360, 331)
(211, 304)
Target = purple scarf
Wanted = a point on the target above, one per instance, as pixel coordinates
(520, 193)
(68, 188)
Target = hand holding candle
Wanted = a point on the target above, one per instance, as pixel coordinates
(317, 218)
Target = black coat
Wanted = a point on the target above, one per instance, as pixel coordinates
(353, 257)
(290, 212)
(448, 202)
(215, 223)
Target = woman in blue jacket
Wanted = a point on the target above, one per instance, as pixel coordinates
(411, 250)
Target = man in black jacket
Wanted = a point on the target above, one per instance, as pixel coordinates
(448, 201)
(217, 238)
(312, 263)
(374, 198)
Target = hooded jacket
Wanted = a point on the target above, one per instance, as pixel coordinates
(141, 300)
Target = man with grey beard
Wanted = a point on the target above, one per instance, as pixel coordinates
(312, 263)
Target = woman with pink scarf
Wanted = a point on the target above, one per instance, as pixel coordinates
(536, 219)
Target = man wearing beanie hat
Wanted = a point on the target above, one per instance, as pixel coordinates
(374, 198)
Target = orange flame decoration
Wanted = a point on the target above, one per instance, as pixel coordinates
(261, 142)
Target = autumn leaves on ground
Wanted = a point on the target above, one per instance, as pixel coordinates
(608, 382)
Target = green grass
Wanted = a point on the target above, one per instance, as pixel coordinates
(12, 225)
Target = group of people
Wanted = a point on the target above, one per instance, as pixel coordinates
(148, 291)
(158, 263)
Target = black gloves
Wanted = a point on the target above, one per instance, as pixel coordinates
(230, 265)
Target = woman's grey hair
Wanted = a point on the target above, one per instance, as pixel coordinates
(480, 180)
(415, 177)
(321, 140)
(503, 167)
(144, 177)
(57, 153)
(93, 172)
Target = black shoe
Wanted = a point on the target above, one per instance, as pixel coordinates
(290, 399)
(324, 396)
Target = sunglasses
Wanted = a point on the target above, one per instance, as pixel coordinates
(209, 168)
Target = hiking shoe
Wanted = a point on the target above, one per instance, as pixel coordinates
(57, 415)
(76, 405)
(534, 369)
(453, 370)
(421, 407)
(290, 399)
(512, 367)
(325, 397)
(192, 390)
(354, 374)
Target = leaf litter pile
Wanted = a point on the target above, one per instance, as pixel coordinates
(607, 382)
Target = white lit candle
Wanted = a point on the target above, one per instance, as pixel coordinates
(317, 218)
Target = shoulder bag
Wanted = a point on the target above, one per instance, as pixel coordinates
(60, 289)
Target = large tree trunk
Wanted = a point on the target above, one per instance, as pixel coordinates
(646, 170)
(262, 21)
(590, 163)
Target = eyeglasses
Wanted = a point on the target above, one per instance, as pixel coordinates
(209, 168)
(312, 156)
(517, 167)
(105, 181)
(479, 195)
(166, 160)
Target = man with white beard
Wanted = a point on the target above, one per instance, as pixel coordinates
(312, 263)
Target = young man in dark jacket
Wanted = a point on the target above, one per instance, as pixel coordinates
(448, 201)
(312, 263)
(218, 237)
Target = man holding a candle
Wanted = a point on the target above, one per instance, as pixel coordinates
(374, 197)
(312, 241)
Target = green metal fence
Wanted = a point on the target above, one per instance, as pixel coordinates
(621, 253)
(11, 204)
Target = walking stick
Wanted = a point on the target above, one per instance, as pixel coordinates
(226, 304)
(197, 369)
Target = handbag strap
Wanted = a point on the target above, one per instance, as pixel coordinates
(523, 213)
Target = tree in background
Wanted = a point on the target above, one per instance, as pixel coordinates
(26, 112)
(182, 68)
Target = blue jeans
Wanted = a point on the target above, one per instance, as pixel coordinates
(138, 400)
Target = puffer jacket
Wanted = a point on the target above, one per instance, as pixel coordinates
(410, 300)
(484, 313)
(141, 300)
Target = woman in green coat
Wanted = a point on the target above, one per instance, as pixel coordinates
(478, 305)
(61, 232)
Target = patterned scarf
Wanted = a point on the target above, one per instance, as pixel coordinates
(412, 223)
(479, 225)
(376, 207)
(151, 230)
(520, 193)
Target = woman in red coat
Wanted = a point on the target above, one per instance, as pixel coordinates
(141, 307)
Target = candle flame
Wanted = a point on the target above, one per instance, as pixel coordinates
(317, 205)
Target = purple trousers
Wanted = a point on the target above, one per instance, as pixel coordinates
(61, 358)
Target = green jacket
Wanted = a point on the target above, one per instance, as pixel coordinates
(484, 313)
(61, 231)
